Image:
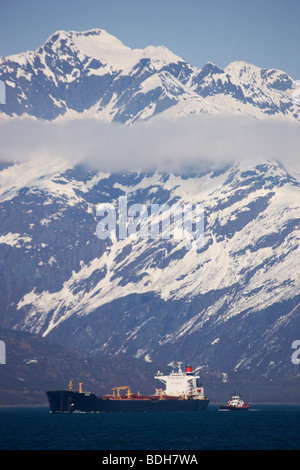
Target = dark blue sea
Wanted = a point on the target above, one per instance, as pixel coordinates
(264, 427)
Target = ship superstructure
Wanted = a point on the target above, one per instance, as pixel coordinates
(235, 403)
(182, 384)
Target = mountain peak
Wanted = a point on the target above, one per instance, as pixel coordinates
(97, 41)
(249, 72)
(103, 46)
(86, 71)
(90, 42)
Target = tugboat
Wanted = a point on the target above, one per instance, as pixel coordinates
(235, 403)
(182, 393)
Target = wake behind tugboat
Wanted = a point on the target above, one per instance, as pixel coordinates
(183, 392)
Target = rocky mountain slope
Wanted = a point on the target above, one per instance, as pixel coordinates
(93, 73)
(227, 299)
(232, 304)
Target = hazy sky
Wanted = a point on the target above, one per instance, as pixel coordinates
(263, 32)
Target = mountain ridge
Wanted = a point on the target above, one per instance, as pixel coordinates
(158, 293)
(78, 73)
(232, 305)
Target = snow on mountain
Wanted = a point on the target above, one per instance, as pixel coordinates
(231, 304)
(110, 51)
(147, 296)
(93, 73)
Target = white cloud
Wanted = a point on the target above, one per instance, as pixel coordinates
(157, 144)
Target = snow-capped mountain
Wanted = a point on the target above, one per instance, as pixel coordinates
(232, 302)
(95, 74)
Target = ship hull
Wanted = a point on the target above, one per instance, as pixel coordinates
(235, 408)
(61, 401)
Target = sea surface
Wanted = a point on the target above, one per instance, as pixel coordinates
(264, 427)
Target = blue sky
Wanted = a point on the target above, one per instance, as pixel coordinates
(263, 32)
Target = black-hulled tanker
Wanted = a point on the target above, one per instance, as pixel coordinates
(182, 393)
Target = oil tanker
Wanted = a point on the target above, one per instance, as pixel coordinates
(182, 392)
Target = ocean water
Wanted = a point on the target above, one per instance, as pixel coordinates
(264, 427)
